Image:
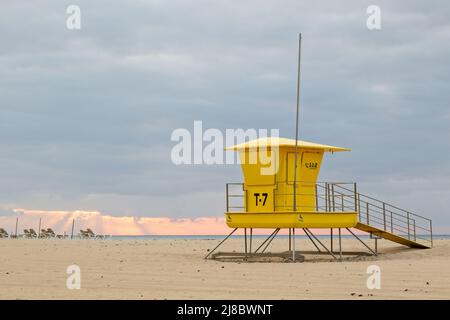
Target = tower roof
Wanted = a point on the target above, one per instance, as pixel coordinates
(267, 142)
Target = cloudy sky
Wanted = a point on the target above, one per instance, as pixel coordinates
(86, 115)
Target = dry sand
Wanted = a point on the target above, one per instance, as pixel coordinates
(175, 269)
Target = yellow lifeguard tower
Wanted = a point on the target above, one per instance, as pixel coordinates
(269, 199)
(281, 191)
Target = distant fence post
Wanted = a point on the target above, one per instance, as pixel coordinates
(73, 223)
(17, 223)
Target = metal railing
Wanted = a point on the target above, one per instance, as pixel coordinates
(390, 218)
(235, 196)
(324, 197)
(343, 197)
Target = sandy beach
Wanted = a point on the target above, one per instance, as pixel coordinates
(175, 269)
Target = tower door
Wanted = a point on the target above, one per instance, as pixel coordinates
(307, 173)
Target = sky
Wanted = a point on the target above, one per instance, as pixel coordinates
(86, 115)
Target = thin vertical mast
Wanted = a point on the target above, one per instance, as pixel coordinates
(296, 120)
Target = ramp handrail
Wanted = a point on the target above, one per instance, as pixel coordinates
(387, 217)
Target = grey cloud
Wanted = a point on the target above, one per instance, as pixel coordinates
(86, 116)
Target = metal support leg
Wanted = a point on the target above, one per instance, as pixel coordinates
(374, 253)
(306, 232)
(340, 244)
(289, 239)
(269, 237)
(251, 239)
(245, 238)
(220, 243)
(331, 239)
(326, 249)
(270, 241)
(293, 244)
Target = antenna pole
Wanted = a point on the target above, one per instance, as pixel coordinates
(296, 120)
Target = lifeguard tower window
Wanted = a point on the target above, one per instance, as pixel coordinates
(308, 166)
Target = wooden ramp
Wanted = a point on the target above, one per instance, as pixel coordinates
(390, 236)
